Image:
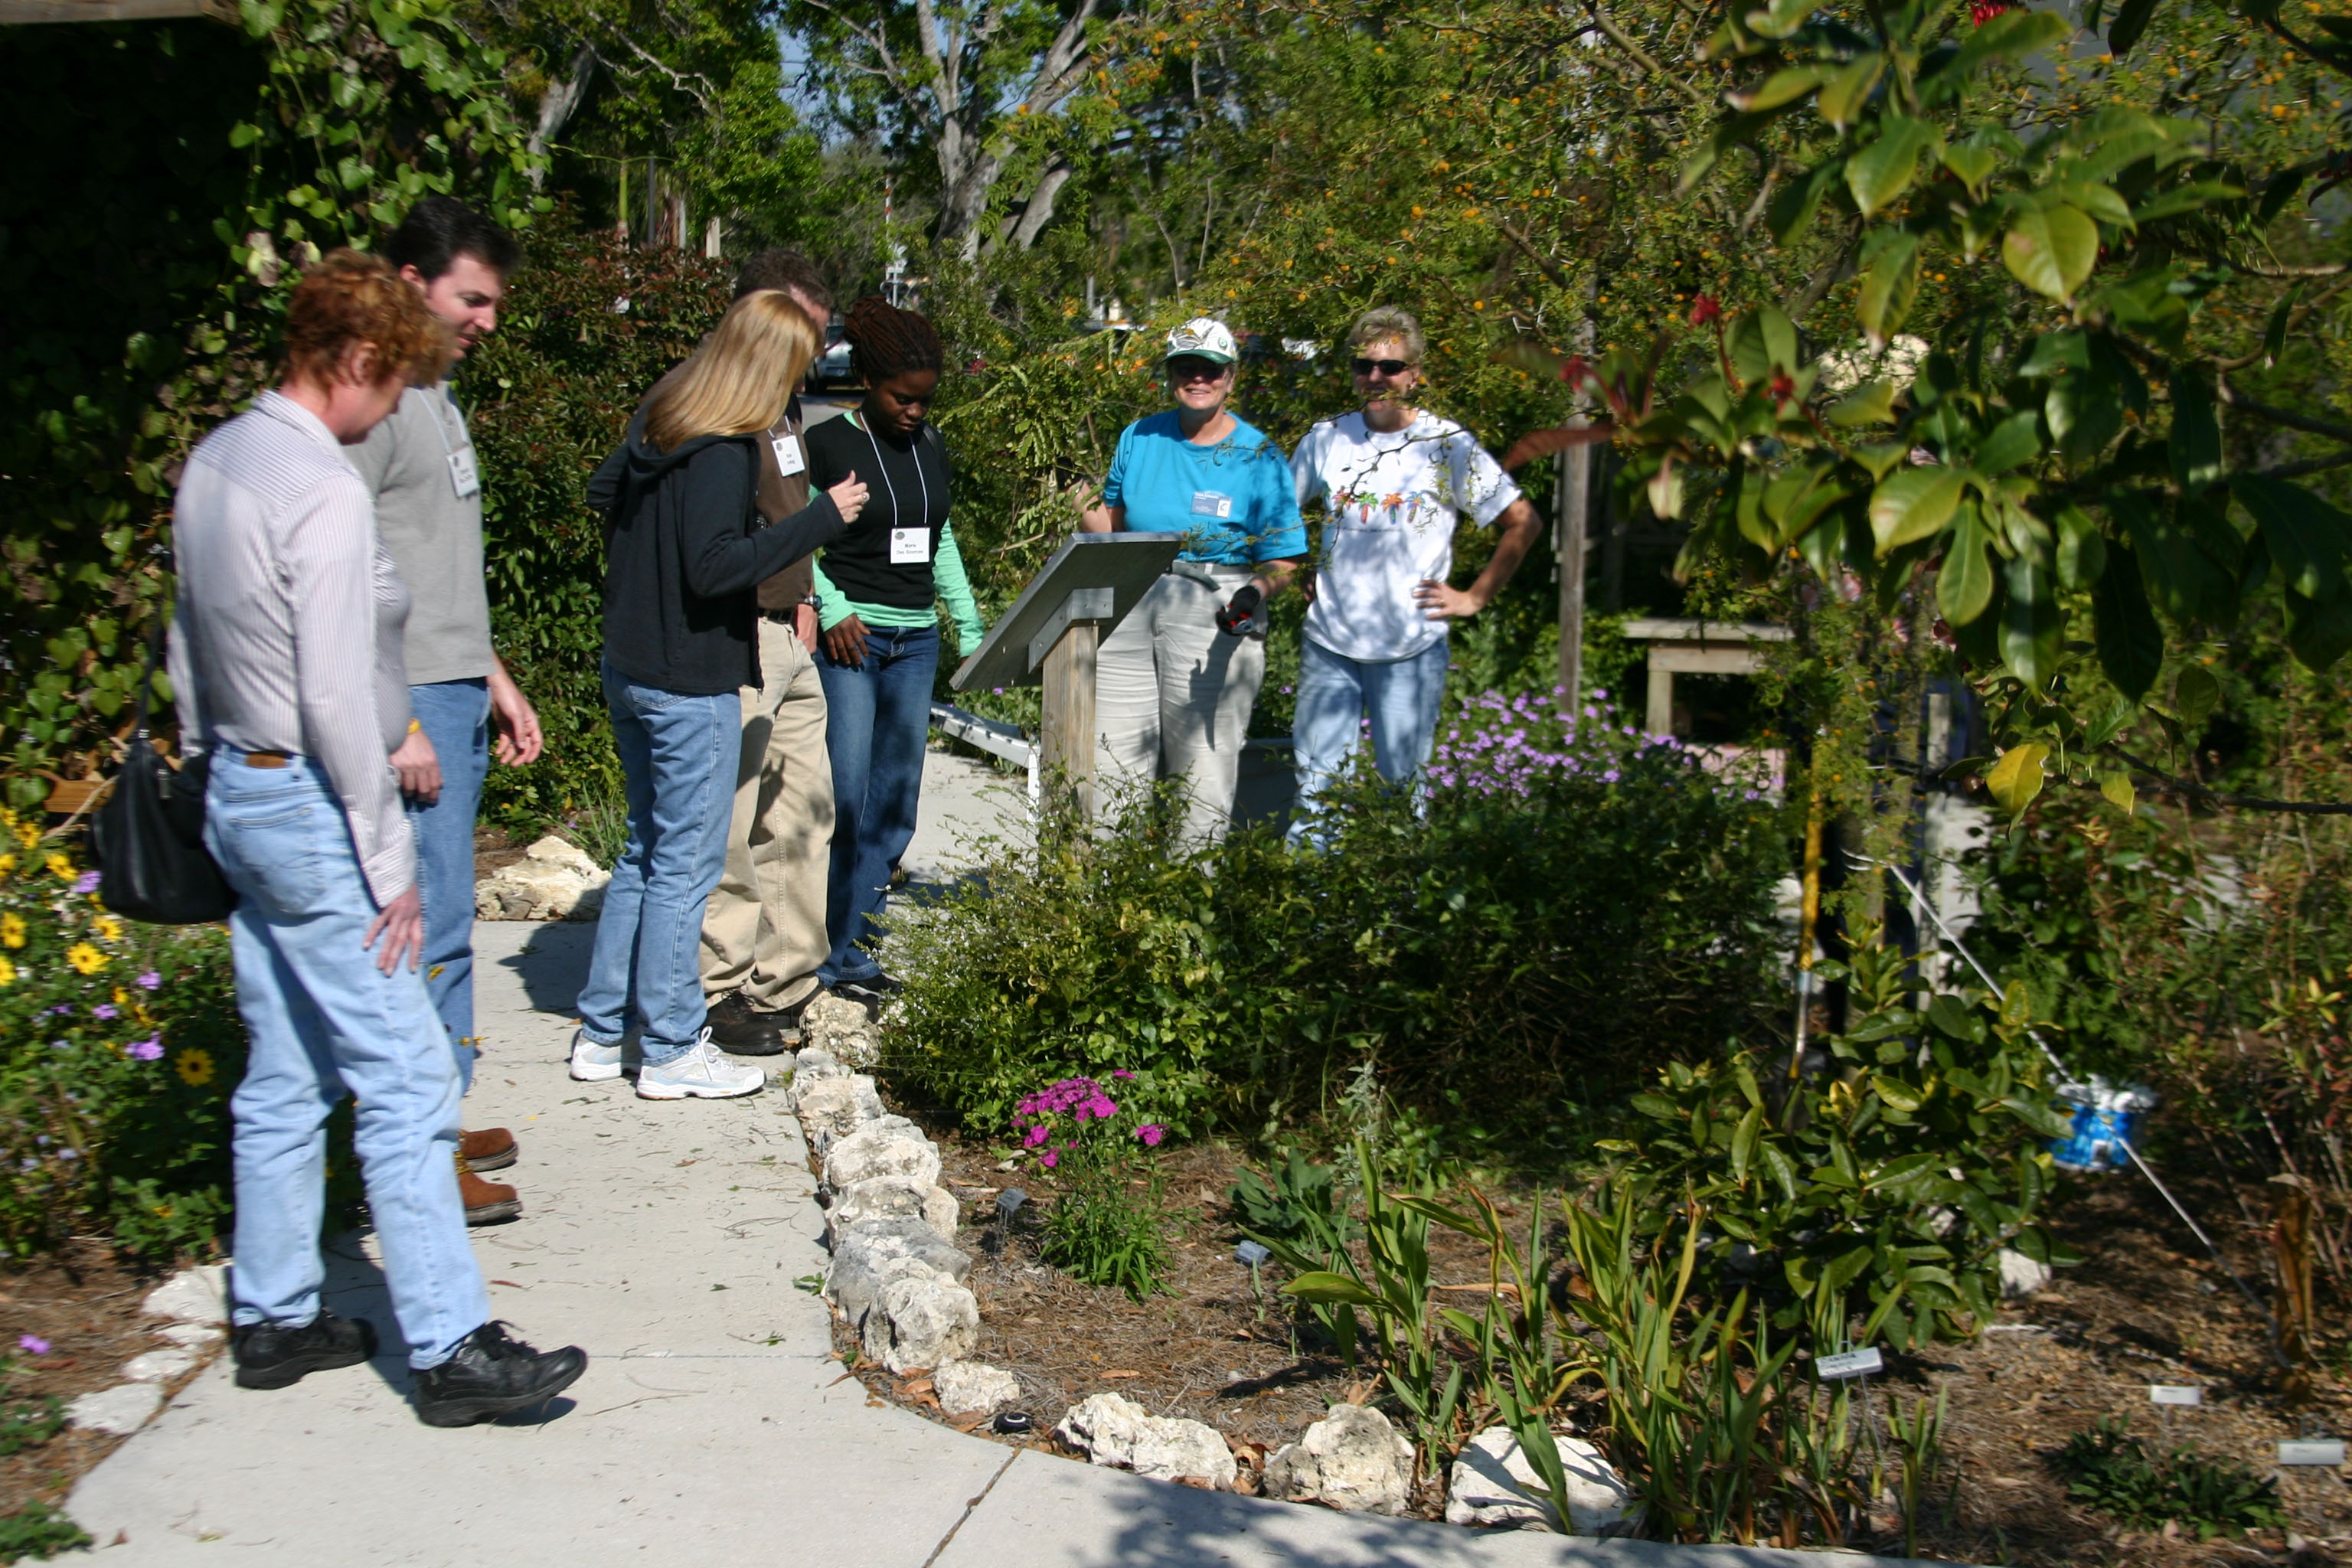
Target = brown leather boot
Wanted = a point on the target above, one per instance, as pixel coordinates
(486, 1203)
(492, 1149)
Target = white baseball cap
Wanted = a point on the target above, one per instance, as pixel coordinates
(1203, 337)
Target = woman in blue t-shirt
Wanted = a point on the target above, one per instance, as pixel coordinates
(1174, 684)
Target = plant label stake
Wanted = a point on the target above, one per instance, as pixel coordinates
(2175, 1394)
(2324, 1452)
(1852, 1364)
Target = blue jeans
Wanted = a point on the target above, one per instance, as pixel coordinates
(323, 1021)
(1335, 693)
(878, 719)
(456, 719)
(678, 760)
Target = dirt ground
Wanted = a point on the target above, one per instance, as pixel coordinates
(85, 1306)
(2146, 1305)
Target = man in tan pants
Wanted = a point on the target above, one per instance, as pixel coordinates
(763, 931)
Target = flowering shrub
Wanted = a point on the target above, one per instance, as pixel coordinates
(118, 1046)
(1499, 746)
(1566, 911)
(1099, 1228)
(1053, 1121)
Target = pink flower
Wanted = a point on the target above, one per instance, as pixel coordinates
(1121, 1072)
(1036, 1135)
(1049, 1159)
(1151, 1132)
(33, 1344)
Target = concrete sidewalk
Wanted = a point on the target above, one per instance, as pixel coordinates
(712, 1428)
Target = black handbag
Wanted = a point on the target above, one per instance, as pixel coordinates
(153, 864)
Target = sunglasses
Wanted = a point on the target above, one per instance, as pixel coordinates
(1385, 366)
(1186, 368)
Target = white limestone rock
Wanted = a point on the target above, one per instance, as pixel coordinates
(885, 1197)
(831, 1109)
(871, 1253)
(158, 1366)
(118, 1411)
(191, 1336)
(920, 1324)
(843, 1029)
(942, 1213)
(964, 1387)
(1113, 1430)
(192, 1296)
(1494, 1485)
(2020, 1276)
(1352, 1461)
(554, 881)
(889, 1146)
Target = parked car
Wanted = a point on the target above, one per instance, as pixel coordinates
(831, 369)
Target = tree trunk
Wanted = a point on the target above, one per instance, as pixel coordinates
(556, 107)
(1040, 210)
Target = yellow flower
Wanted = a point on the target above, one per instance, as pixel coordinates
(8, 863)
(194, 1066)
(8, 971)
(109, 928)
(28, 835)
(85, 958)
(12, 930)
(60, 867)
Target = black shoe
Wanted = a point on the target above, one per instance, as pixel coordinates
(869, 990)
(269, 1356)
(742, 1030)
(492, 1375)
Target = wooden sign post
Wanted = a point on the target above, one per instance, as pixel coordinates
(1050, 635)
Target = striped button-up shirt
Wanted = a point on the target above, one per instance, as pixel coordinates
(291, 613)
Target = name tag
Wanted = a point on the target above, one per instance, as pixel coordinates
(909, 546)
(788, 456)
(464, 477)
(1210, 503)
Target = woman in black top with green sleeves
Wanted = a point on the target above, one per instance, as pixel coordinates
(878, 589)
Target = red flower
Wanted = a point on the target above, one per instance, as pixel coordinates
(1574, 370)
(1983, 11)
(1784, 386)
(1705, 308)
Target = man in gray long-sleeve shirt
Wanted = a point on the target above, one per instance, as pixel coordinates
(420, 465)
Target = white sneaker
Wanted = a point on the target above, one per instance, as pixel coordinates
(702, 1073)
(593, 1063)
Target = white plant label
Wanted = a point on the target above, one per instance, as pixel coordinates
(2312, 1451)
(2175, 1394)
(1851, 1363)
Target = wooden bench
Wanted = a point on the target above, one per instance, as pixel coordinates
(1679, 646)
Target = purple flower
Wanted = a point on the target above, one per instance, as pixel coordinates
(1121, 1072)
(1151, 1132)
(32, 1344)
(147, 1050)
(1049, 1159)
(1036, 1135)
(86, 883)
(149, 980)
(103, 1010)
(1609, 777)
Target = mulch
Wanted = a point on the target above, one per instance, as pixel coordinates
(2146, 1305)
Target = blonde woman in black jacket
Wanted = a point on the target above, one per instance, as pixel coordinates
(687, 550)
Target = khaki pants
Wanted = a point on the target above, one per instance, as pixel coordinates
(1173, 694)
(763, 932)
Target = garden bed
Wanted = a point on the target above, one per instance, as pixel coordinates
(2138, 1310)
(83, 1305)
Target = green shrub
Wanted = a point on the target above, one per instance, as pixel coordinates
(39, 1529)
(2111, 1470)
(1572, 908)
(119, 1044)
